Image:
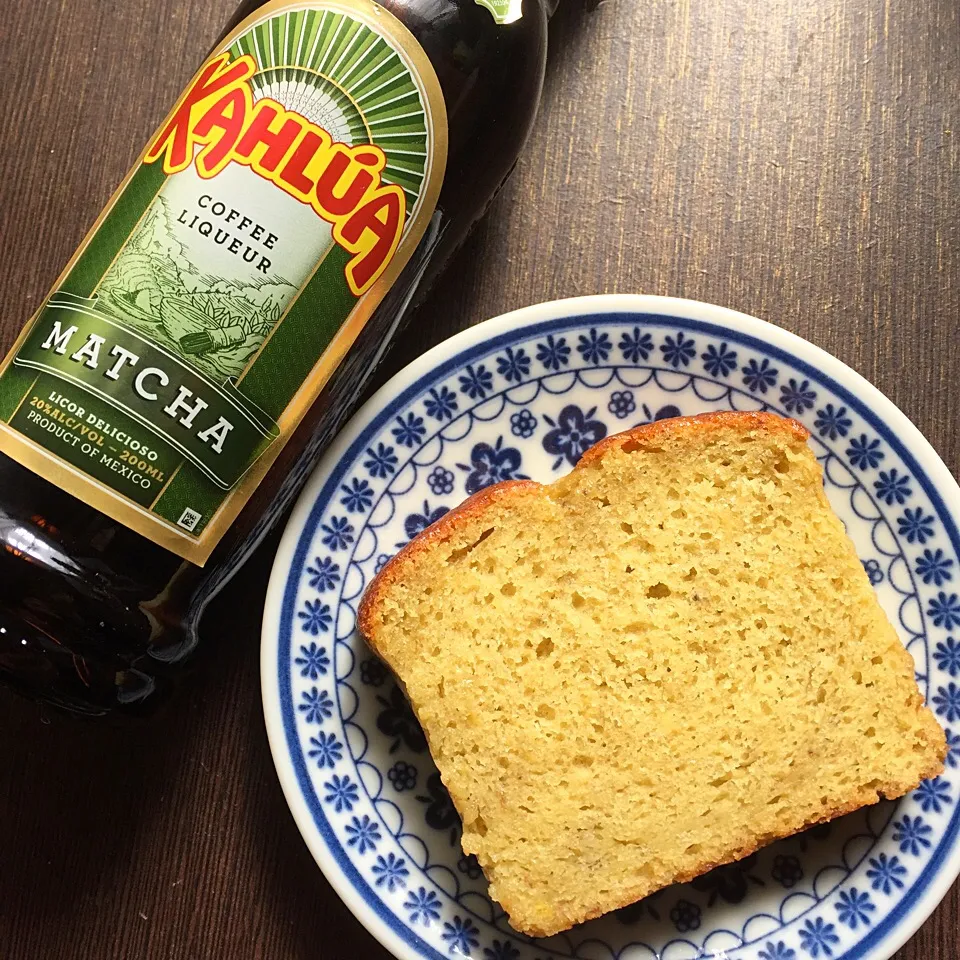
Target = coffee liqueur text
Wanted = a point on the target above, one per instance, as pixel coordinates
(342, 183)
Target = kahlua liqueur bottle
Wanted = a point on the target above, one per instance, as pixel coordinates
(213, 331)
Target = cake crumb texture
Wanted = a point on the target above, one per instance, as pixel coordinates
(650, 667)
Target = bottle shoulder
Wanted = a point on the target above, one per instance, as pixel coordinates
(491, 76)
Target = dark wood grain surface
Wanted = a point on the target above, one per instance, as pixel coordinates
(797, 161)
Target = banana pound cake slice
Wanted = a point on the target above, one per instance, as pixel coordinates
(650, 667)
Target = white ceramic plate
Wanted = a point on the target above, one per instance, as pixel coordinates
(524, 395)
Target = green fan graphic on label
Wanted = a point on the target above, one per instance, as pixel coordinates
(232, 271)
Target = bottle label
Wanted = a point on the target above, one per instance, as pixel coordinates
(232, 271)
(504, 11)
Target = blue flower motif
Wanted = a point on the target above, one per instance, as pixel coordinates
(678, 352)
(338, 534)
(911, 834)
(489, 465)
(324, 574)
(621, 403)
(797, 397)
(391, 872)
(418, 522)
(913, 525)
(409, 431)
(945, 610)
(476, 383)
(719, 361)
(326, 750)
(864, 453)
(313, 661)
(685, 916)
(514, 365)
(777, 951)
(947, 656)
(885, 873)
(953, 749)
(342, 793)
(315, 618)
(759, 377)
(554, 353)
(403, 776)
(461, 935)
(364, 834)
(441, 481)
(423, 906)
(441, 404)
(573, 434)
(383, 461)
(933, 795)
(523, 424)
(373, 673)
(934, 567)
(594, 347)
(947, 702)
(893, 487)
(636, 345)
(817, 936)
(787, 870)
(832, 422)
(874, 573)
(317, 705)
(854, 908)
(501, 950)
(396, 719)
(358, 495)
(470, 866)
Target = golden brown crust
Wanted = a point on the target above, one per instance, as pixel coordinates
(442, 530)
(888, 791)
(598, 908)
(646, 434)
(660, 431)
(554, 919)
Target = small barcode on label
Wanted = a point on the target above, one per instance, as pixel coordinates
(189, 519)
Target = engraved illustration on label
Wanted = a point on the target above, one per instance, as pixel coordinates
(208, 306)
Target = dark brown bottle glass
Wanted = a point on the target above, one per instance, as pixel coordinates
(95, 617)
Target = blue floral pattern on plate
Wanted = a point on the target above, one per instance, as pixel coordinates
(526, 400)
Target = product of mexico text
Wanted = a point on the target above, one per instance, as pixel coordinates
(217, 322)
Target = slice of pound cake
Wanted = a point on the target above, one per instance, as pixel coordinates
(650, 667)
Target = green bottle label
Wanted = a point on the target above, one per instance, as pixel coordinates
(231, 272)
(504, 11)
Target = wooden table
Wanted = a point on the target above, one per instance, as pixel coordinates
(798, 161)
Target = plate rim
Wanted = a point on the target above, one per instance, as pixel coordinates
(909, 918)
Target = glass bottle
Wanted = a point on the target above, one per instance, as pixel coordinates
(230, 295)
